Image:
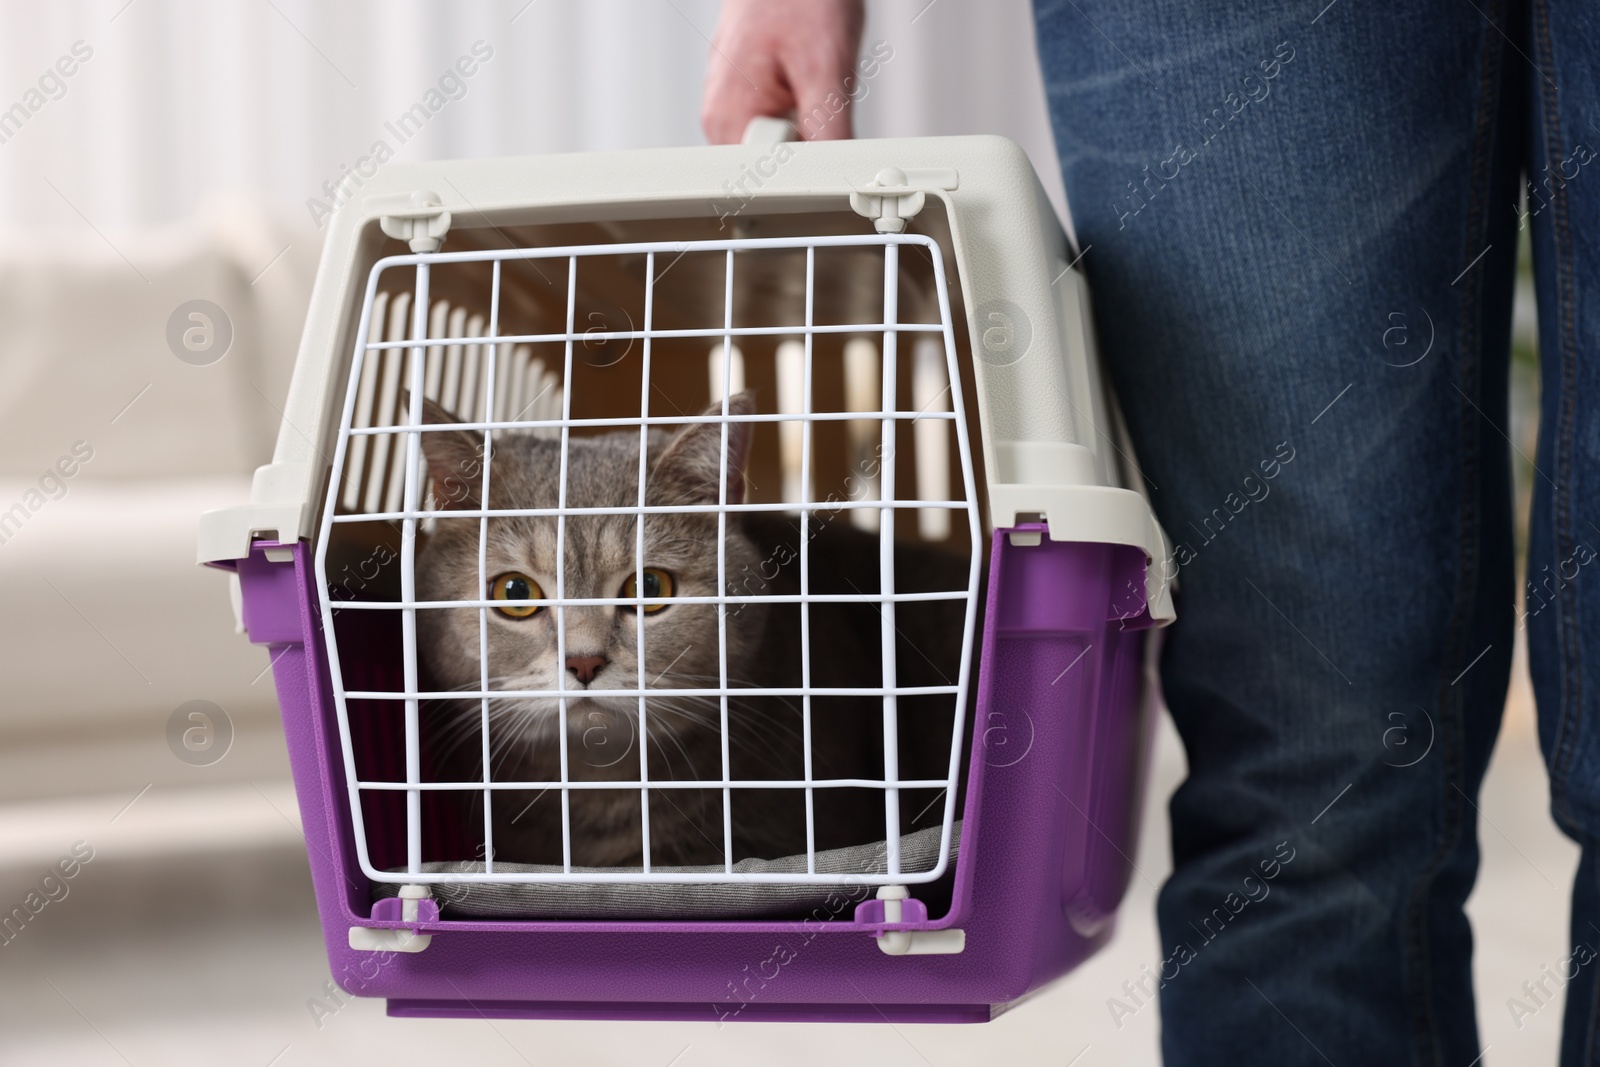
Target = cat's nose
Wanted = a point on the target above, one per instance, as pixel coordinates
(584, 668)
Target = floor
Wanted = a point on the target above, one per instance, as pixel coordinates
(190, 937)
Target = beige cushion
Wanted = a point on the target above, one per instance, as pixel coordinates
(83, 331)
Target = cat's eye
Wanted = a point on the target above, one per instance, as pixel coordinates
(514, 586)
(657, 583)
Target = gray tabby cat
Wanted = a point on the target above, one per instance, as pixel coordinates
(681, 649)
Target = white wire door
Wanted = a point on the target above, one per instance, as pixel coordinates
(499, 382)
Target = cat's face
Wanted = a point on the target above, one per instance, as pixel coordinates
(586, 647)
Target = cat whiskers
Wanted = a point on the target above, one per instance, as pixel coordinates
(706, 712)
(519, 726)
(523, 716)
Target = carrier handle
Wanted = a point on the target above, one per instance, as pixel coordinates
(768, 130)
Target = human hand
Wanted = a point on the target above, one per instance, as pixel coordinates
(783, 60)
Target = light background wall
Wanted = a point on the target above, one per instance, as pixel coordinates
(182, 102)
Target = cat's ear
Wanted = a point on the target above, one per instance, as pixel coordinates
(455, 457)
(690, 467)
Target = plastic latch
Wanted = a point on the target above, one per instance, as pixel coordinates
(421, 220)
(898, 907)
(1029, 531)
(411, 898)
(895, 195)
(873, 912)
(368, 939)
(406, 909)
(414, 904)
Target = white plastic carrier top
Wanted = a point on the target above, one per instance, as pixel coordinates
(1052, 449)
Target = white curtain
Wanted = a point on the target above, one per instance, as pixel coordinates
(184, 101)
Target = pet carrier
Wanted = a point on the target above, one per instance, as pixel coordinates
(820, 424)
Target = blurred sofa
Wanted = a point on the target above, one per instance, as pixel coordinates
(111, 445)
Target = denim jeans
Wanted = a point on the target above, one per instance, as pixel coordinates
(1299, 226)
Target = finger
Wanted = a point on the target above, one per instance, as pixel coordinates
(735, 95)
(823, 110)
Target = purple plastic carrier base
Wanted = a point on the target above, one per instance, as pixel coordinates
(668, 1011)
(1059, 751)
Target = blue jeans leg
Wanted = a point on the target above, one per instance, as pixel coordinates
(1562, 602)
(1295, 229)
